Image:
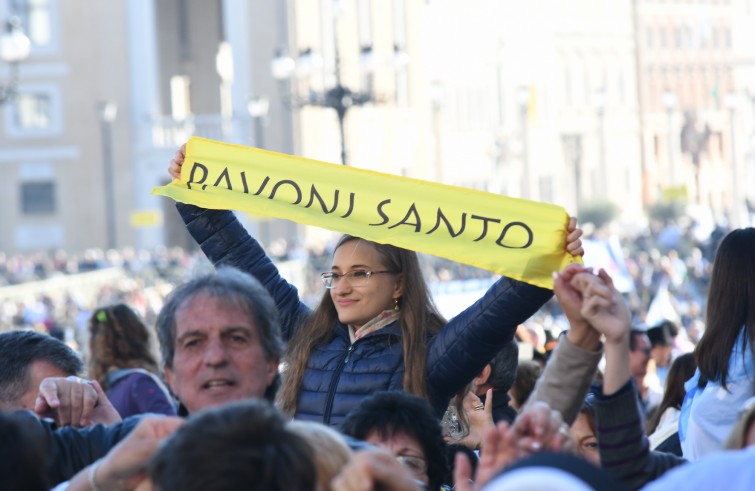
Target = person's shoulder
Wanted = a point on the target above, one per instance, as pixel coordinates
(133, 376)
(30, 421)
(730, 466)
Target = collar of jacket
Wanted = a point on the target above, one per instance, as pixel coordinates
(392, 329)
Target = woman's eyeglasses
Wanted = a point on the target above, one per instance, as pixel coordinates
(354, 278)
(417, 465)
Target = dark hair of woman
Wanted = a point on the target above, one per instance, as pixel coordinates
(419, 320)
(731, 305)
(681, 370)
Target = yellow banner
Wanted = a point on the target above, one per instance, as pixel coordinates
(513, 237)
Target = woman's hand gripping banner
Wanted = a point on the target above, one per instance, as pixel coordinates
(513, 237)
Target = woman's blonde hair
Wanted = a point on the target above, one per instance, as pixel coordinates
(331, 451)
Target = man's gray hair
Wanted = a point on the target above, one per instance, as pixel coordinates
(235, 288)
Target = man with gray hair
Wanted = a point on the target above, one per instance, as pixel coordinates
(220, 342)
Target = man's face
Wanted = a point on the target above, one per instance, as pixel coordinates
(218, 356)
(38, 371)
(639, 356)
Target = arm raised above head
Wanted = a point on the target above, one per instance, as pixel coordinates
(472, 338)
(226, 242)
(572, 364)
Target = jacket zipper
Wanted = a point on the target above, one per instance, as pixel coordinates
(334, 382)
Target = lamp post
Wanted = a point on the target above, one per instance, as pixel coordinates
(730, 101)
(258, 108)
(339, 97)
(437, 97)
(107, 112)
(523, 100)
(669, 102)
(599, 102)
(224, 69)
(572, 145)
(694, 141)
(15, 47)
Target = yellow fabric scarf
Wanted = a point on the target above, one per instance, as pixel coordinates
(513, 237)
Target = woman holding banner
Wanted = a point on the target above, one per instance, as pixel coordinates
(376, 327)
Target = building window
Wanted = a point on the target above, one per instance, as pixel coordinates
(36, 17)
(38, 198)
(33, 111)
(37, 112)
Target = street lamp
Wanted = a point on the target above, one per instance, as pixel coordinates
(224, 68)
(339, 97)
(14, 48)
(599, 102)
(669, 102)
(437, 98)
(108, 110)
(694, 141)
(523, 100)
(258, 108)
(572, 145)
(730, 101)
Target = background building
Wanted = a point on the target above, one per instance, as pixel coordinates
(580, 103)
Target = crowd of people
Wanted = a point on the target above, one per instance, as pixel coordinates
(229, 380)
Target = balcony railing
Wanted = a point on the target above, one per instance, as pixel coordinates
(170, 133)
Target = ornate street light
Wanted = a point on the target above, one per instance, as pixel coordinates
(731, 101)
(14, 48)
(599, 101)
(258, 108)
(339, 97)
(107, 111)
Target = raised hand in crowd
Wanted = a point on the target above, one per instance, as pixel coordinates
(175, 165)
(571, 368)
(373, 470)
(537, 429)
(606, 311)
(480, 417)
(602, 305)
(123, 468)
(73, 401)
(570, 299)
(573, 241)
(540, 428)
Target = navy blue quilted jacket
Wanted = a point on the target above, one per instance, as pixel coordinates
(340, 374)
